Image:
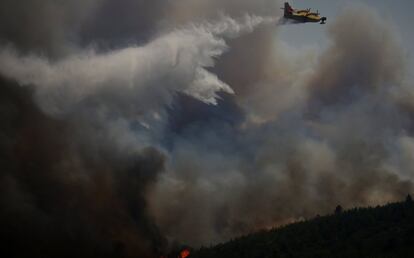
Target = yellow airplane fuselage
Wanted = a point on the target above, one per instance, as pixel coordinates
(305, 16)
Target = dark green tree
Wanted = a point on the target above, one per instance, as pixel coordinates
(338, 209)
(408, 199)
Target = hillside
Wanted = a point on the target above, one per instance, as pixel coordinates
(386, 231)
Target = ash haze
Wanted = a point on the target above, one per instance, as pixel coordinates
(129, 126)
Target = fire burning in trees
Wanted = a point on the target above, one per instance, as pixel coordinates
(184, 253)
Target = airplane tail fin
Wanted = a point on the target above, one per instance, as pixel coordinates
(288, 9)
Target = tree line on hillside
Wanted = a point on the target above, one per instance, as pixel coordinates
(382, 231)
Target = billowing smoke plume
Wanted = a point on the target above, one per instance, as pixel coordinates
(177, 61)
(129, 125)
(307, 132)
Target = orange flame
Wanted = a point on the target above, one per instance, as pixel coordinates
(185, 253)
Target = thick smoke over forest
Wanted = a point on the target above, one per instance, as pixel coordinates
(128, 126)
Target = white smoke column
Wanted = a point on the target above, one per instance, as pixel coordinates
(173, 62)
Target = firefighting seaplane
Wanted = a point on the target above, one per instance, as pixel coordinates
(302, 16)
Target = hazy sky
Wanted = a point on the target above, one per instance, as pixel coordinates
(398, 12)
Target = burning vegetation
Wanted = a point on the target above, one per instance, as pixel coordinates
(183, 253)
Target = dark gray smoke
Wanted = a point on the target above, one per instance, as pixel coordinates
(316, 131)
(64, 194)
(48, 27)
(128, 125)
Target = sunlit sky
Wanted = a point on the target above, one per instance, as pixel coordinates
(397, 12)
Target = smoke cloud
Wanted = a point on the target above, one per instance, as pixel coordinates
(316, 131)
(190, 122)
(177, 60)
